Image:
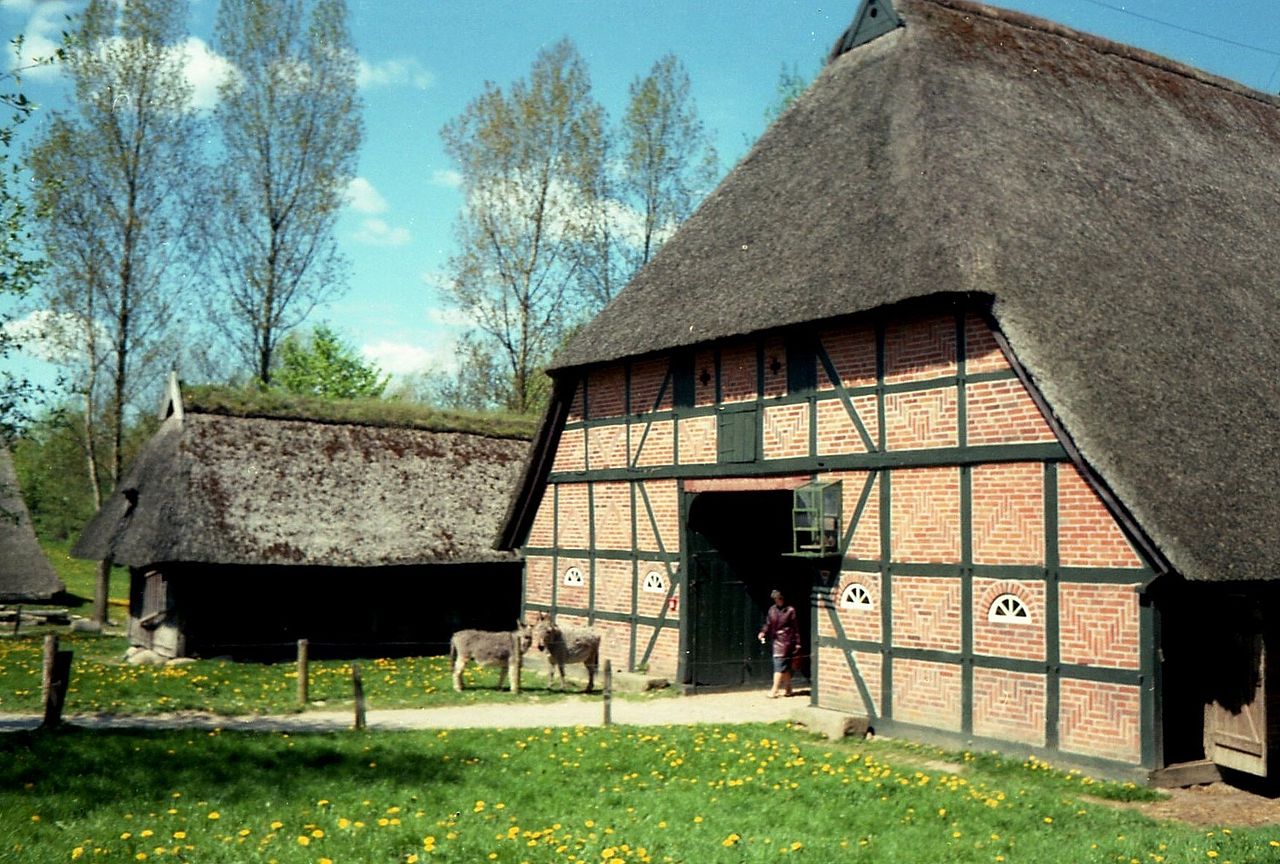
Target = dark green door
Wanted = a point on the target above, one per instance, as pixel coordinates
(724, 651)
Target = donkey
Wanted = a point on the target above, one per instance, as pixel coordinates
(566, 645)
(503, 649)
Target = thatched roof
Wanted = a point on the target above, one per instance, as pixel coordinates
(26, 576)
(1119, 210)
(220, 489)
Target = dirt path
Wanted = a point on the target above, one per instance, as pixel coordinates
(740, 707)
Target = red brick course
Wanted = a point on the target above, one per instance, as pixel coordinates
(571, 454)
(665, 502)
(853, 354)
(1100, 719)
(607, 447)
(1008, 638)
(698, 442)
(981, 353)
(920, 349)
(612, 515)
(786, 431)
(922, 419)
(606, 392)
(1002, 412)
(1009, 706)
(837, 433)
(656, 446)
(927, 694)
(862, 625)
(614, 578)
(573, 518)
(926, 612)
(1088, 535)
(646, 382)
(1099, 625)
(1008, 513)
(738, 373)
(542, 531)
(926, 515)
(538, 576)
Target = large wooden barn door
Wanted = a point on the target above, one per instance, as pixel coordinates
(724, 651)
(1236, 721)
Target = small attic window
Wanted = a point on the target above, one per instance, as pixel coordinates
(654, 583)
(1008, 609)
(573, 576)
(855, 596)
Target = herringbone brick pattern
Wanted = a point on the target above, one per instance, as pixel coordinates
(612, 515)
(1009, 705)
(926, 612)
(571, 454)
(1099, 625)
(606, 392)
(1100, 719)
(919, 350)
(786, 431)
(853, 354)
(1089, 536)
(655, 443)
(926, 515)
(1021, 641)
(607, 447)
(837, 433)
(698, 442)
(921, 419)
(927, 693)
(1002, 412)
(573, 519)
(1008, 513)
(981, 352)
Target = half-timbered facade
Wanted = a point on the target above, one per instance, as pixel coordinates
(934, 360)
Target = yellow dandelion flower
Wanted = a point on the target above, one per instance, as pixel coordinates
(245, 832)
(797, 846)
(146, 833)
(276, 826)
(126, 835)
(215, 815)
(179, 835)
(77, 852)
(697, 820)
(141, 856)
(493, 855)
(730, 840)
(590, 823)
(1048, 820)
(344, 822)
(304, 840)
(35, 817)
(323, 802)
(1212, 854)
(412, 859)
(317, 833)
(325, 861)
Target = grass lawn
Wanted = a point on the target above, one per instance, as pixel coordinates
(102, 682)
(586, 796)
(81, 577)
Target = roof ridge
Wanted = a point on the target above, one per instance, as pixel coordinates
(1103, 45)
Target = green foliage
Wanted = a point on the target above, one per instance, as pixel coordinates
(291, 131)
(656, 795)
(789, 87)
(323, 365)
(255, 402)
(80, 577)
(531, 158)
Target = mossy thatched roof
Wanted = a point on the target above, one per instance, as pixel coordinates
(25, 573)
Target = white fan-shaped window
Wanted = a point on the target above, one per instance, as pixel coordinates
(855, 596)
(1008, 609)
(573, 576)
(654, 583)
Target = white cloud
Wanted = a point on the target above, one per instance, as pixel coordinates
(400, 358)
(400, 72)
(53, 337)
(446, 177)
(376, 232)
(205, 70)
(41, 38)
(363, 198)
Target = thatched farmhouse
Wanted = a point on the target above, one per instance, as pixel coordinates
(243, 534)
(26, 576)
(974, 356)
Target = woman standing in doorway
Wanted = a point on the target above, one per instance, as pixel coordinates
(781, 630)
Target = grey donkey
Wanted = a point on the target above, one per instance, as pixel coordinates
(504, 649)
(566, 645)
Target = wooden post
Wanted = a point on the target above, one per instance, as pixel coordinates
(57, 696)
(608, 691)
(17, 620)
(358, 686)
(303, 673)
(50, 651)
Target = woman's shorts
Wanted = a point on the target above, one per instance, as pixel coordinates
(781, 664)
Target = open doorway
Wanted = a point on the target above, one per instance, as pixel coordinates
(737, 545)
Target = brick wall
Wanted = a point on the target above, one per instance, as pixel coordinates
(738, 373)
(1009, 706)
(655, 443)
(646, 382)
(837, 433)
(926, 612)
(573, 595)
(921, 419)
(1022, 641)
(1099, 719)
(925, 515)
(1088, 536)
(664, 499)
(649, 604)
(775, 367)
(862, 625)
(606, 392)
(573, 516)
(538, 576)
(786, 431)
(614, 579)
(612, 515)
(571, 455)
(919, 350)
(1008, 513)
(927, 694)
(698, 443)
(981, 353)
(1002, 412)
(542, 531)
(607, 447)
(704, 378)
(853, 354)
(663, 661)
(1098, 625)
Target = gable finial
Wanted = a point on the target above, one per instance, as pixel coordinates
(873, 19)
(172, 397)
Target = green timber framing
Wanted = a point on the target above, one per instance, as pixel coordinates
(880, 464)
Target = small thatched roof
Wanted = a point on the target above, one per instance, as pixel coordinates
(219, 489)
(26, 576)
(1119, 211)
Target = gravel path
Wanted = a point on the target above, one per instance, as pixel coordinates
(738, 707)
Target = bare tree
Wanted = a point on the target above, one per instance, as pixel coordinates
(291, 129)
(531, 159)
(118, 210)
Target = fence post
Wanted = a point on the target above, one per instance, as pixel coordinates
(59, 679)
(46, 677)
(358, 686)
(17, 620)
(303, 673)
(608, 691)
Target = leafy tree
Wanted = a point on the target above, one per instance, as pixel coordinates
(291, 129)
(325, 366)
(119, 213)
(19, 269)
(790, 85)
(531, 159)
(666, 164)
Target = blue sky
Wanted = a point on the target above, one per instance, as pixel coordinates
(423, 61)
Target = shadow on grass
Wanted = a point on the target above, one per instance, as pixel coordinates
(94, 766)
